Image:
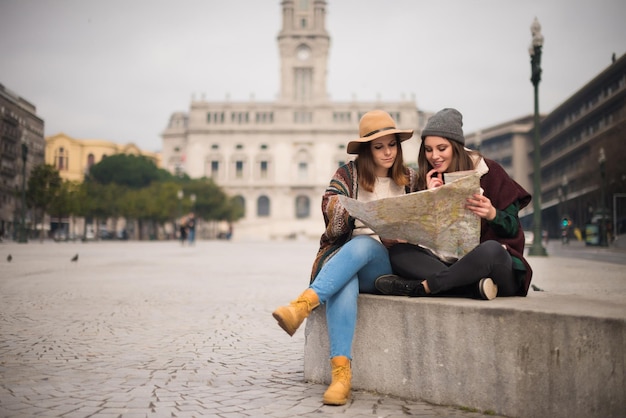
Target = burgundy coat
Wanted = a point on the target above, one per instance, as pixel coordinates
(503, 191)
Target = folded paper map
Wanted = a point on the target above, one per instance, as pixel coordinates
(436, 218)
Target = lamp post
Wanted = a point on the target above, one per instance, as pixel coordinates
(602, 162)
(192, 220)
(535, 66)
(180, 196)
(563, 196)
(22, 235)
(565, 221)
(564, 184)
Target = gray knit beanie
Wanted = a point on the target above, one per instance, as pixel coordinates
(447, 123)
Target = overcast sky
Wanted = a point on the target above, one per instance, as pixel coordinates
(117, 69)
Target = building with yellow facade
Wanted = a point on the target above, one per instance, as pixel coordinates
(74, 157)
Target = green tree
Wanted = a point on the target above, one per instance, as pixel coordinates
(83, 203)
(134, 188)
(77, 202)
(234, 210)
(211, 201)
(128, 170)
(61, 205)
(44, 185)
(155, 205)
(105, 201)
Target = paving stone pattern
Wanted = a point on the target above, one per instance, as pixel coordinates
(154, 329)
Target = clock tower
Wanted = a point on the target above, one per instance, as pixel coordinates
(303, 44)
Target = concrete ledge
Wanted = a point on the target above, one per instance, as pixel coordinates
(548, 355)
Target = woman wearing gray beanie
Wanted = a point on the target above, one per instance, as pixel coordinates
(497, 265)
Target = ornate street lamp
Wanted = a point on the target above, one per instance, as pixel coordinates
(177, 224)
(535, 66)
(565, 220)
(602, 162)
(22, 236)
(563, 196)
(180, 196)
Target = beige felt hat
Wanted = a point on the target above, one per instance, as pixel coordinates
(374, 124)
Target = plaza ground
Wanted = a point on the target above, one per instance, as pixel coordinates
(155, 329)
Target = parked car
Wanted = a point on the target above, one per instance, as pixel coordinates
(105, 234)
(60, 235)
(89, 235)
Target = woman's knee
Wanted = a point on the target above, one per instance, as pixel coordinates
(403, 255)
(493, 250)
(365, 246)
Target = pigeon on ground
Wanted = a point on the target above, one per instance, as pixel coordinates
(9, 258)
(536, 289)
(75, 258)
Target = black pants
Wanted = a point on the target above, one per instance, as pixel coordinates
(489, 259)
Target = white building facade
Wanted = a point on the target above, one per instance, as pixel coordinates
(278, 157)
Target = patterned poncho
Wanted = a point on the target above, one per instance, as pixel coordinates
(339, 224)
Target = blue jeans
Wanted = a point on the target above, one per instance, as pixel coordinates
(352, 270)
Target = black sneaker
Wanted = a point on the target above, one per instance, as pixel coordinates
(487, 289)
(390, 284)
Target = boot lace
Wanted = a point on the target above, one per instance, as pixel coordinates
(341, 374)
(303, 305)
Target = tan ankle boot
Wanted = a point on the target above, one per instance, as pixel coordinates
(339, 390)
(290, 317)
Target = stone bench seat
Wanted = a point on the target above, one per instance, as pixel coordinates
(546, 355)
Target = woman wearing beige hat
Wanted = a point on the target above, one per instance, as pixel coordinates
(351, 256)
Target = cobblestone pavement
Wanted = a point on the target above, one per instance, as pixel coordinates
(153, 329)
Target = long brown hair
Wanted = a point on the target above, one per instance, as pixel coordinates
(366, 166)
(462, 159)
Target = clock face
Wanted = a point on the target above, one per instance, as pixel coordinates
(303, 53)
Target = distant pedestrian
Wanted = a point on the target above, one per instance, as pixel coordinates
(191, 228)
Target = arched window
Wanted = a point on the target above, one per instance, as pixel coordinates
(303, 207)
(263, 206)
